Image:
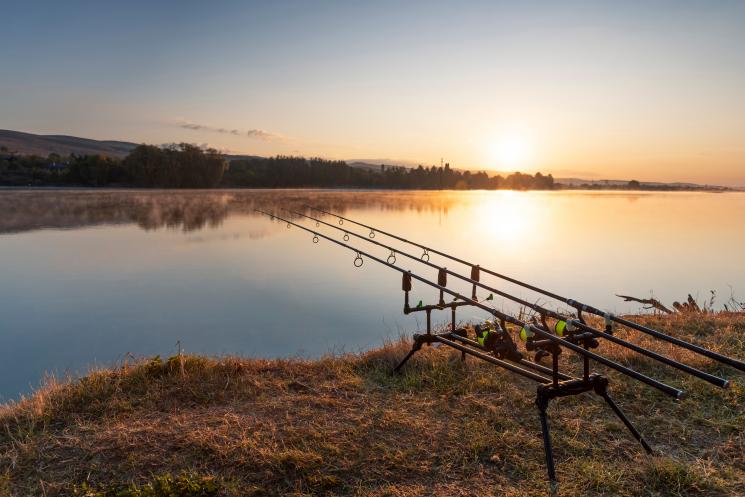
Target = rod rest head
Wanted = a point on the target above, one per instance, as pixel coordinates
(422, 338)
(595, 382)
(461, 332)
(547, 345)
(585, 338)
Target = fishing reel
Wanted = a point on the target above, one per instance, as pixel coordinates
(567, 330)
(542, 348)
(497, 340)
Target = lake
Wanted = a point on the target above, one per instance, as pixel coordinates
(90, 277)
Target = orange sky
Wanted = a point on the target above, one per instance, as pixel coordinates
(579, 89)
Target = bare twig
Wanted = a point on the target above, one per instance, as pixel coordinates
(652, 303)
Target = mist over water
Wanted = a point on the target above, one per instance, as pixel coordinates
(89, 276)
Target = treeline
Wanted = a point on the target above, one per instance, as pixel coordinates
(181, 166)
(282, 171)
(635, 185)
(189, 166)
(173, 166)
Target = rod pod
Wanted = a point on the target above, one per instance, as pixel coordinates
(579, 306)
(544, 312)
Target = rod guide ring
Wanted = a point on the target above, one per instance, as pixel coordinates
(358, 261)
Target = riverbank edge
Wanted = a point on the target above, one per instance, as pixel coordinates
(558, 188)
(343, 425)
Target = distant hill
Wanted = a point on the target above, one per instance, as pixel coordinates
(43, 145)
(230, 157)
(364, 165)
(624, 182)
(29, 143)
(370, 163)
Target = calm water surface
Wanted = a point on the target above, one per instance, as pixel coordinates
(89, 276)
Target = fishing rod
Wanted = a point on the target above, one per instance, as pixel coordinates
(391, 259)
(579, 306)
(569, 324)
(504, 354)
(529, 328)
(359, 253)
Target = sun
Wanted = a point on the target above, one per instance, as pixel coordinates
(510, 152)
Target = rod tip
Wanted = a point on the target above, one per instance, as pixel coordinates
(681, 395)
(726, 384)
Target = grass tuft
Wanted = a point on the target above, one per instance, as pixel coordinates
(160, 486)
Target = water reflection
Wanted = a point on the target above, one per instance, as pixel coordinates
(88, 276)
(188, 210)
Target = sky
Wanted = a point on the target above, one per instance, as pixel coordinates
(623, 90)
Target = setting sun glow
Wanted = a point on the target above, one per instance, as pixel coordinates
(510, 152)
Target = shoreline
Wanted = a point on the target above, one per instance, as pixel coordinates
(343, 425)
(353, 189)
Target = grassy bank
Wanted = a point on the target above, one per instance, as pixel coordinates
(345, 426)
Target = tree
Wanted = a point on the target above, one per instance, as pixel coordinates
(175, 166)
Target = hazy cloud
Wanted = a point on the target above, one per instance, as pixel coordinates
(258, 134)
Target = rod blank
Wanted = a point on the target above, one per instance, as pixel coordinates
(508, 318)
(714, 380)
(735, 363)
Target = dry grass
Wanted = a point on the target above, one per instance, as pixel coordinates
(346, 426)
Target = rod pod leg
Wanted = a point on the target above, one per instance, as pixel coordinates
(542, 403)
(601, 388)
(419, 340)
(626, 421)
(413, 350)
